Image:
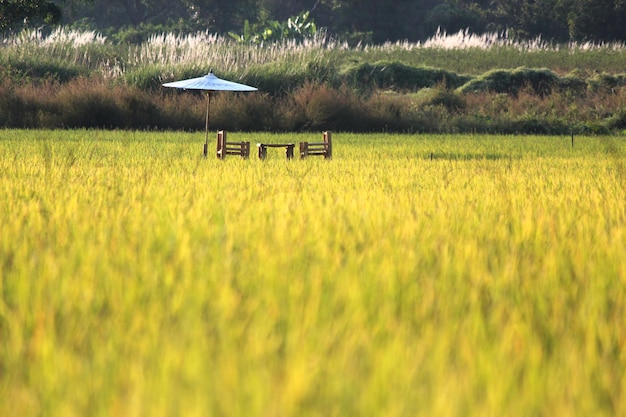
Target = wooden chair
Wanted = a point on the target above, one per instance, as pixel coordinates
(231, 148)
(324, 148)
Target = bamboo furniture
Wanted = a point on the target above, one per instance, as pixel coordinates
(324, 148)
(289, 149)
(231, 148)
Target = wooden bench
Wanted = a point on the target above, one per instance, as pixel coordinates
(289, 147)
(324, 148)
(231, 148)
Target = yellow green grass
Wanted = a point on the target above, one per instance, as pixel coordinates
(409, 276)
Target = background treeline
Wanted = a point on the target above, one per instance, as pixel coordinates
(369, 21)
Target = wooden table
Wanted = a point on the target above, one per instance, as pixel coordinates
(263, 149)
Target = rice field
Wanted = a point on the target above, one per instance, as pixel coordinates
(408, 276)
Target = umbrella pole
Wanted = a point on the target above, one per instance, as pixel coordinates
(206, 126)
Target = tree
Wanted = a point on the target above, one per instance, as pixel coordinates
(385, 21)
(454, 16)
(559, 20)
(281, 10)
(528, 18)
(597, 20)
(222, 16)
(359, 20)
(123, 13)
(18, 14)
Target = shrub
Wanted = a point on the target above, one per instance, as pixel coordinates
(573, 83)
(617, 121)
(329, 109)
(398, 76)
(139, 109)
(16, 108)
(243, 112)
(390, 112)
(42, 70)
(89, 105)
(98, 103)
(181, 110)
(542, 81)
(606, 83)
(452, 101)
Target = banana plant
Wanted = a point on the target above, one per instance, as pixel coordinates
(301, 25)
(247, 35)
(296, 27)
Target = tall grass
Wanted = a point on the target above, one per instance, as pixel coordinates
(409, 276)
(104, 84)
(174, 55)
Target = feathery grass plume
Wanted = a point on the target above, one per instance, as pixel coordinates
(462, 52)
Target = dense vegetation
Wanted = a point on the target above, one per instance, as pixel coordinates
(449, 83)
(359, 20)
(409, 276)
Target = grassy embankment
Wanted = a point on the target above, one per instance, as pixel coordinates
(448, 84)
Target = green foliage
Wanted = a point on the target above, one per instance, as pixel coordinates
(25, 70)
(452, 17)
(398, 76)
(297, 28)
(440, 95)
(147, 78)
(357, 21)
(573, 83)
(318, 84)
(596, 20)
(607, 82)
(542, 81)
(137, 34)
(617, 122)
(16, 15)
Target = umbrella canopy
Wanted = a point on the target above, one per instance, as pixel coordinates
(209, 83)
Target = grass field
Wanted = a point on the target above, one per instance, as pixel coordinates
(409, 276)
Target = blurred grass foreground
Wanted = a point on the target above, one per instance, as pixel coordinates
(409, 276)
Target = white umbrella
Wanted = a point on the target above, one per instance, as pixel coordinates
(209, 83)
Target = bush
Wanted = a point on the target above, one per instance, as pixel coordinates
(607, 83)
(399, 77)
(328, 108)
(181, 110)
(542, 81)
(42, 70)
(243, 112)
(18, 109)
(98, 103)
(90, 105)
(391, 112)
(573, 83)
(452, 101)
(617, 121)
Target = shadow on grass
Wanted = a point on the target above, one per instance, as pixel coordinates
(468, 157)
